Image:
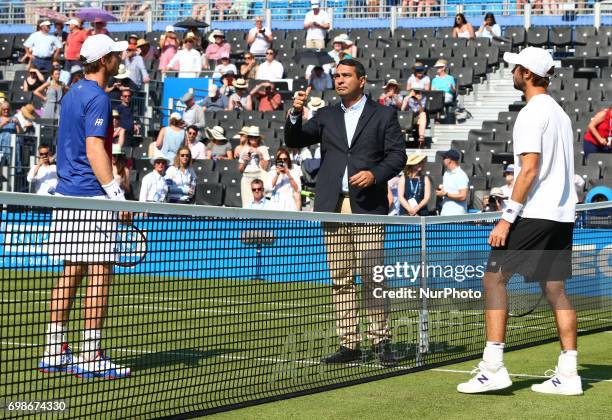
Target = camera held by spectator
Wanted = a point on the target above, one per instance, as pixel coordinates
(494, 201)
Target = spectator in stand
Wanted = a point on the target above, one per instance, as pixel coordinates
(259, 201)
(225, 65)
(215, 101)
(53, 90)
(598, 137)
(9, 125)
(26, 117)
(43, 176)
(196, 147)
(171, 137)
(59, 32)
(339, 49)
(242, 137)
(168, 45)
(74, 42)
(64, 75)
(227, 84)
(145, 51)
(319, 79)
(2, 97)
(188, 59)
(135, 66)
(218, 147)
(193, 115)
(316, 23)
(509, 185)
(391, 96)
(271, 69)
(34, 80)
(454, 188)
(98, 27)
(198, 42)
(392, 195)
(314, 104)
(153, 187)
(444, 81)
(132, 39)
(248, 69)
(416, 102)
(349, 46)
(500, 194)
(42, 47)
(259, 38)
(76, 74)
(414, 188)
(181, 178)
(254, 161)
(418, 79)
(489, 27)
(462, 28)
(216, 49)
(126, 115)
(298, 155)
(121, 172)
(240, 100)
(118, 131)
(285, 183)
(120, 83)
(267, 97)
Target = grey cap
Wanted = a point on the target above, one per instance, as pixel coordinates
(75, 69)
(187, 97)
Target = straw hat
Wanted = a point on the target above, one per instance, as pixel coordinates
(141, 42)
(116, 113)
(160, 156)
(391, 82)
(339, 40)
(315, 103)
(253, 131)
(122, 73)
(28, 111)
(498, 192)
(441, 63)
(415, 159)
(240, 84)
(215, 133)
(243, 132)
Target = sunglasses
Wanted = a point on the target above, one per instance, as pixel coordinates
(269, 53)
(286, 159)
(44, 154)
(256, 189)
(253, 137)
(126, 96)
(185, 155)
(160, 162)
(192, 133)
(248, 58)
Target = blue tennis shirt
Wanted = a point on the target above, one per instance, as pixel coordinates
(85, 112)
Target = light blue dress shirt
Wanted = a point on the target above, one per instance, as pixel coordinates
(42, 45)
(351, 118)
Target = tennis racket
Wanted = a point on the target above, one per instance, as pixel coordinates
(523, 297)
(130, 245)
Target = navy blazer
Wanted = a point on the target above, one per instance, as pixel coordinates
(378, 146)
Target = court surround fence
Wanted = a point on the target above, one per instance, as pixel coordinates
(232, 307)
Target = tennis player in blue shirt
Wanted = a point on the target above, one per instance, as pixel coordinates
(80, 237)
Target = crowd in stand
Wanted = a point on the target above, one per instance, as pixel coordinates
(187, 137)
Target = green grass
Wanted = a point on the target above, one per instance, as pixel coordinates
(431, 394)
(203, 344)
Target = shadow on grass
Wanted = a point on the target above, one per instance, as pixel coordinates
(185, 357)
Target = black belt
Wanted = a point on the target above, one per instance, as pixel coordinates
(344, 195)
(43, 58)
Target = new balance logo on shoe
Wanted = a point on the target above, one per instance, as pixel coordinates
(556, 382)
(482, 379)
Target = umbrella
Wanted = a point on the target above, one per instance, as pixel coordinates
(316, 58)
(191, 23)
(93, 14)
(51, 14)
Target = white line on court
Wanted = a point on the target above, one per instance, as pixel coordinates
(522, 375)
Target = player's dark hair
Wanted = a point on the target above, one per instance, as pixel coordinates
(89, 68)
(539, 81)
(351, 62)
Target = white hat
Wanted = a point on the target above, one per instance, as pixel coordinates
(73, 21)
(160, 156)
(498, 192)
(169, 28)
(45, 23)
(97, 46)
(215, 133)
(536, 60)
(391, 82)
(122, 72)
(339, 39)
(217, 32)
(316, 103)
(212, 91)
(176, 116)
(314, 4)
(253, 131)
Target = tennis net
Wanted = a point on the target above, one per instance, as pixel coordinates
(217, 308)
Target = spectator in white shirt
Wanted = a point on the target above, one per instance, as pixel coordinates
(259, 38)
(319, 79)
(181, 178)
(196, 147)
(153, 187)
(316, 24)
(225, 65)
(489, 27)
(259, 201)
(43, 176)
(271, 69)
(455, 183)
(188, 59)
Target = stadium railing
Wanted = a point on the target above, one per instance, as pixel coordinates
(232, 307)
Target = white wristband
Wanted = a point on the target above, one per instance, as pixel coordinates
(114, 191)
(511, 211)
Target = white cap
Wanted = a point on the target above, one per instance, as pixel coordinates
(176, 116)
(536, 60)
(314, 4)
(45, 23)
(73, 22)
(97, 46)
(169, 28)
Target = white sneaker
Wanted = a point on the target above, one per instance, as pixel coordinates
(61, 362)
(100, 367)
(559, 384)
(485, 380)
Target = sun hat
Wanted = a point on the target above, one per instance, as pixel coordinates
(122, 73)
(240, 84)
(498, 192)
(28, 111)
(142, 42)
(160, 156)
(536, 60)
(391, 82)
(215, 133)
(116, 113)
(441, 63)
(415, 158)
(253, 131)
(315, 103)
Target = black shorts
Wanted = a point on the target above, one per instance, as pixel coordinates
(538, 249)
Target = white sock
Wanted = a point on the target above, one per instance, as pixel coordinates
(568, 363)
(493, 355)
(91, 343)
(55, 337)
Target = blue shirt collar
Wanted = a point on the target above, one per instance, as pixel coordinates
(355, 107)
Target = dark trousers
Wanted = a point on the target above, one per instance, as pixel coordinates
(42, 64)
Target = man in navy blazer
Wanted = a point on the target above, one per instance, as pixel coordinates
(362, 147)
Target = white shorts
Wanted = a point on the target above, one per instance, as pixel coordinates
(83, 236)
